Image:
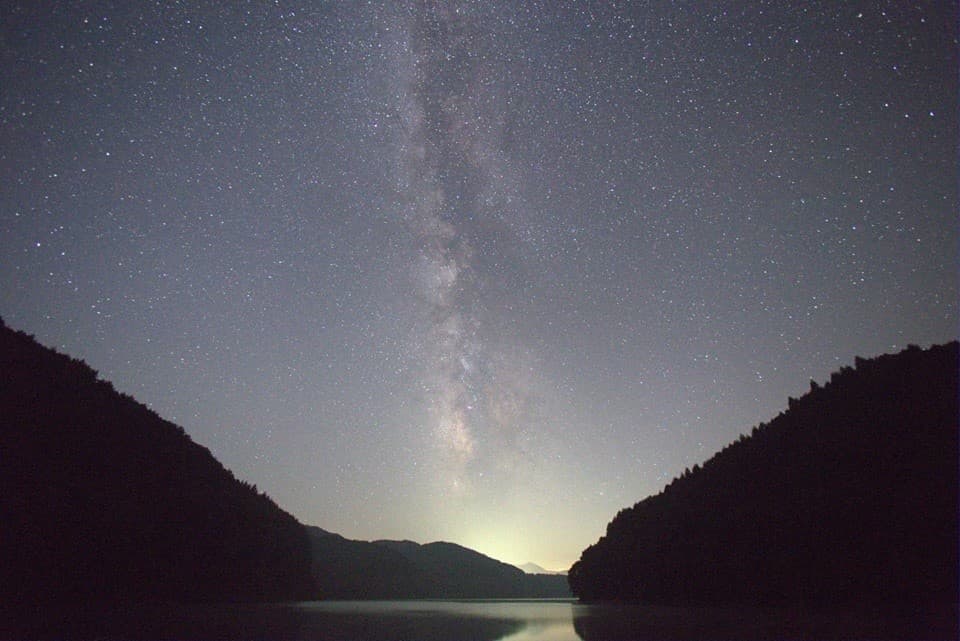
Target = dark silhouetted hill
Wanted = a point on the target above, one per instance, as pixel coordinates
(101, 500)
(849, 497)
(348, 569)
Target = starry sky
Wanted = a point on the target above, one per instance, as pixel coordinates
(484, 272)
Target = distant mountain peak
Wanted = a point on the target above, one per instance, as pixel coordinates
(388, 569)
(533, 568)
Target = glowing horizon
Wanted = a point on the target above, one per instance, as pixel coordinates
(478, 272)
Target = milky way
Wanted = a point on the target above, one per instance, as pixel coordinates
(485, 272)
(454, 180)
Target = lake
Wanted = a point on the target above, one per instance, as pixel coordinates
(486, 620)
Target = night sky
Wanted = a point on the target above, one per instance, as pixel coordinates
(484, 272)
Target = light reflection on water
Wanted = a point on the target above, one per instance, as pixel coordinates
(535, 631)
(496, 620)
(567, 620)
(522, 620)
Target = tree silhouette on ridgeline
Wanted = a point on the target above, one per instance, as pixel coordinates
(102, 500)
(348, 569)
(848, 497)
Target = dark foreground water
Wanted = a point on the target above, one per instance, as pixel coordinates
(523, 620)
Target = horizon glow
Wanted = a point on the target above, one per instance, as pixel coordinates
(483, 272)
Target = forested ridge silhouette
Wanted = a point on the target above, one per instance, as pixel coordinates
(104, 501)
(847, 498)
(349, 569)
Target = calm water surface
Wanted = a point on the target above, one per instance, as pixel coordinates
(514, 620)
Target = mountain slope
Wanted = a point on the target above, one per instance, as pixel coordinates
(848, 497)
(347, 569)
(102, 500)
(458, 572)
